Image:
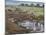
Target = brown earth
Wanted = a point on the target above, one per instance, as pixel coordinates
(12, 17)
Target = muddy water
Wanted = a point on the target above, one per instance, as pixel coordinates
(32, 25)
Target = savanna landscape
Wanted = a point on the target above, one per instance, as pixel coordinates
(24, 18)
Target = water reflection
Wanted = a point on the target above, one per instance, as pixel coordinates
(36, 27)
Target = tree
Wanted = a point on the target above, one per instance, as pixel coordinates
(26, 4)
(43, 5)
(38, 5)
(32, 5)
(22, 4)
